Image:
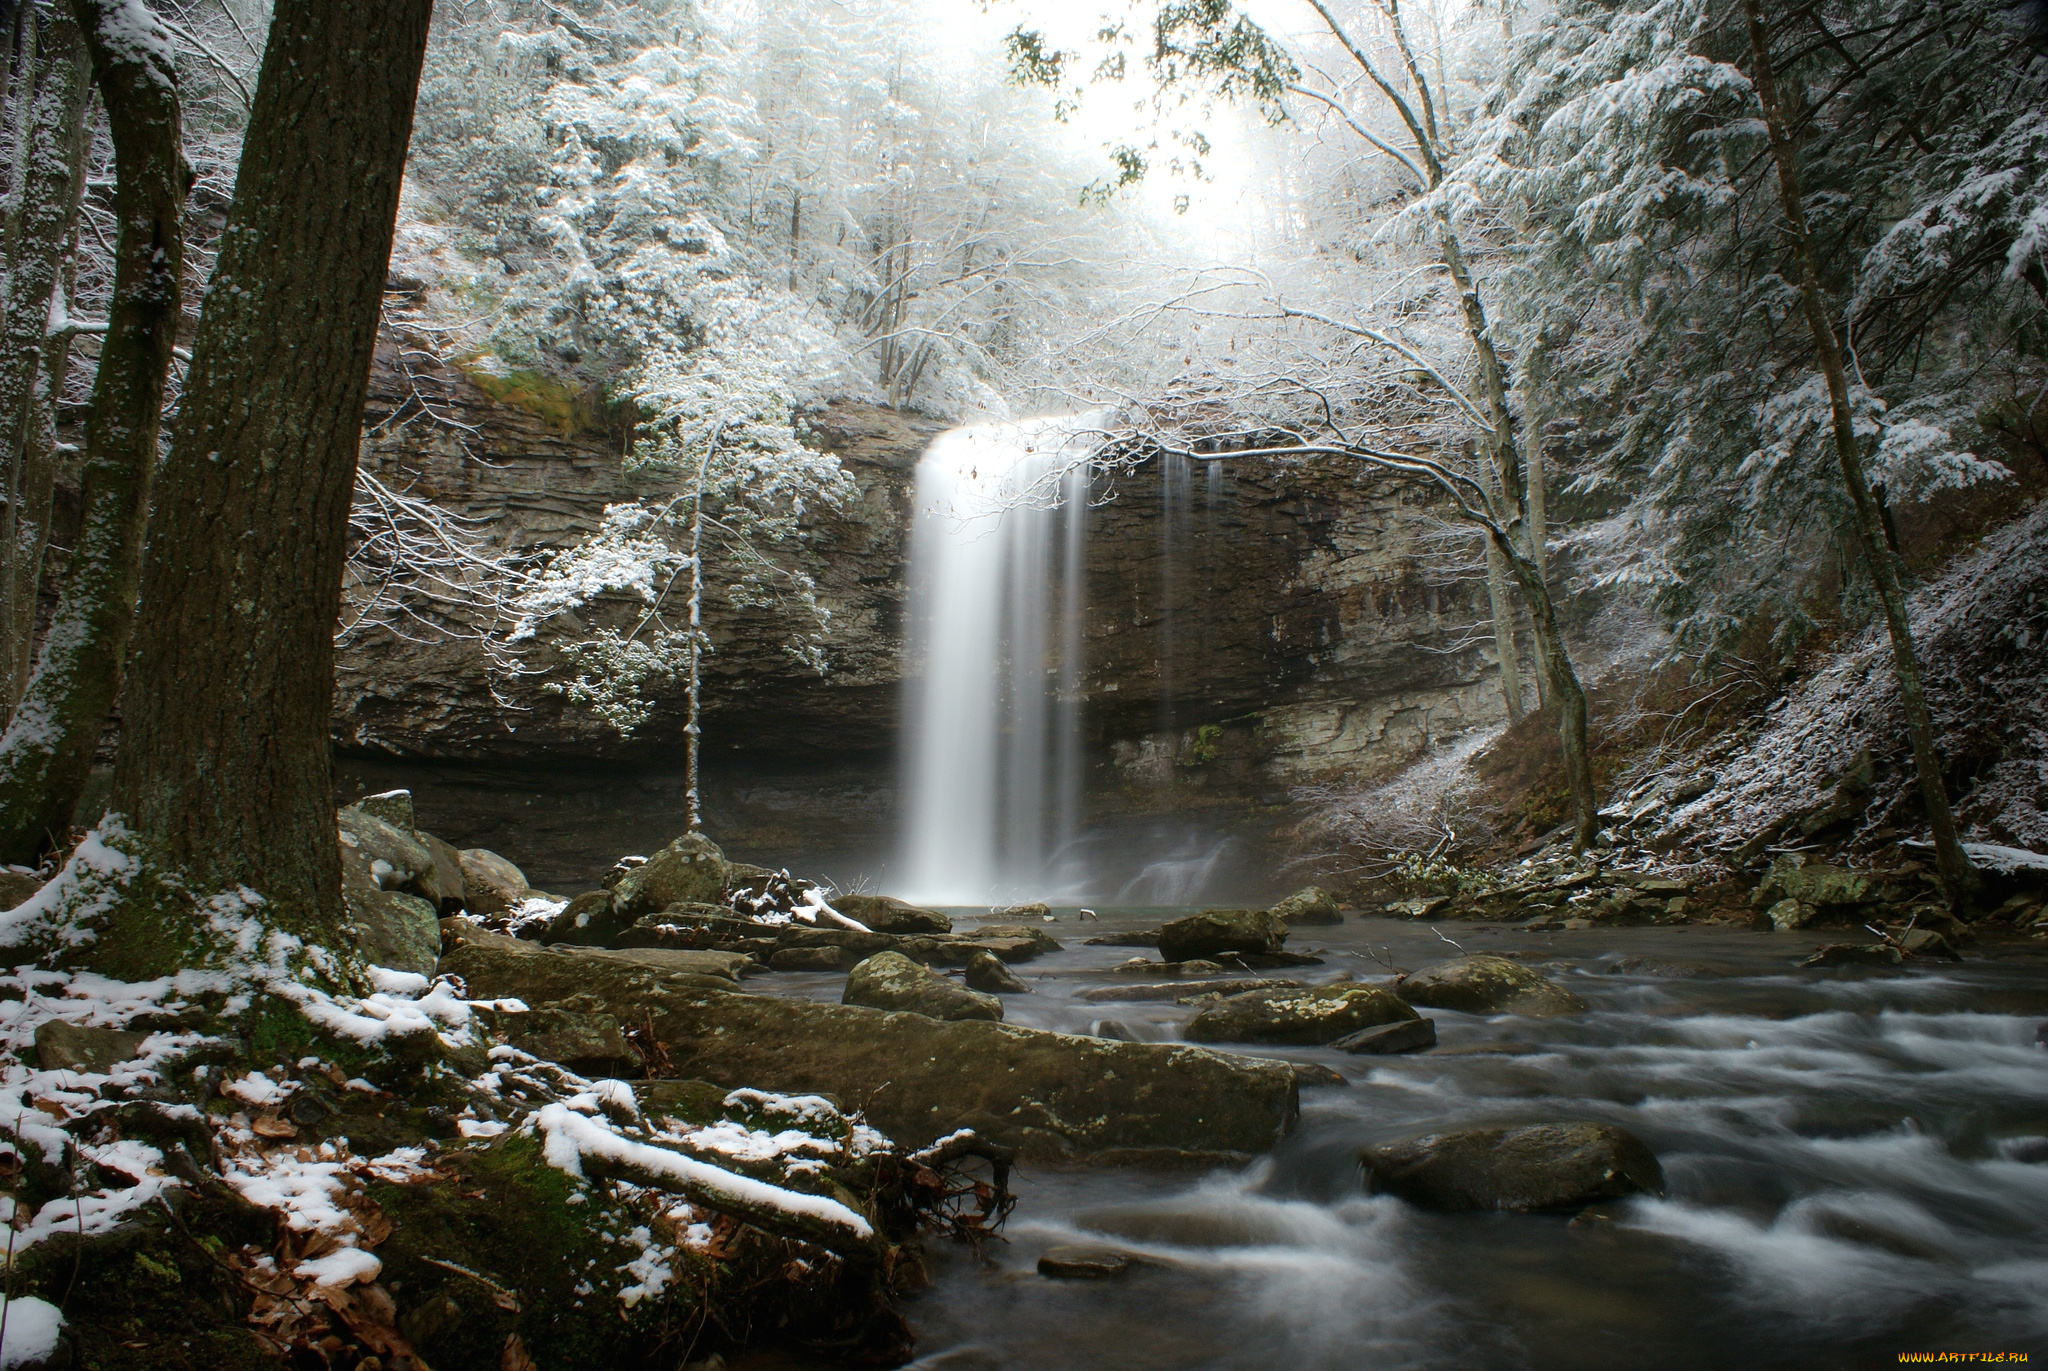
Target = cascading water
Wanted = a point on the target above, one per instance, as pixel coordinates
(993, 770)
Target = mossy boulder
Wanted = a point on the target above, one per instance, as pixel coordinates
(890, 980)
(492, 884)
(690, 870)
(1303, 1018)
(1309, 905)
(1537, 1168)
(1488, 985)
(1816, 884)
(887, 914)
(1051, 1094)
(1012, 932)
(1213, 932)
(986, 973)
(387, 927)
(592, 919)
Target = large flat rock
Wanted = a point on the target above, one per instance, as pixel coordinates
(1054, 1096)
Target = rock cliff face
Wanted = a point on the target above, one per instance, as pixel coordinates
(1246, 628)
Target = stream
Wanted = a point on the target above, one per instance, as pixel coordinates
(1857, 1165)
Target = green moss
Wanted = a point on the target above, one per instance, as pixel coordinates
(151, 1296)
(566, 407)
(527, 1228)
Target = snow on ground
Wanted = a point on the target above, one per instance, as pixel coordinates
(1982, 635)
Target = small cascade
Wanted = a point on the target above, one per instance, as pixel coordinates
(993, 765)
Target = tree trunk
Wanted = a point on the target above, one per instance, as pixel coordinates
(224, 766)
(1570, 695)
(46, 754)
(1511, 478)
(1535, 375)
(1504, 631)
(44, 200)
(1957, 879)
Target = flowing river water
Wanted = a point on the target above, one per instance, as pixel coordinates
(1857, 1165)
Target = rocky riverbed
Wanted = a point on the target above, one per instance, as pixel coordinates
(1852, 1162)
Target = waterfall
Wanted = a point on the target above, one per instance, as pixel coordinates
(992, 726)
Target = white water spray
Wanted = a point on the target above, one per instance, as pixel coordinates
(993, 770)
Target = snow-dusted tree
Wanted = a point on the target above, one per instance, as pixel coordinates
(223, 773)
(47, 142)
(722, 427)
(46, 752)
(1635, 144)
(1403, 114)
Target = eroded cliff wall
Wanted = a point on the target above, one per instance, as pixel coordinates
(1267, 624)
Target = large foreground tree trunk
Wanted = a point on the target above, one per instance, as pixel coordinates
(55, 84)
(224, 765)
(1958, 881)
(47, 751)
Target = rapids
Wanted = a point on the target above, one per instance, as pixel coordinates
(1857, 1165)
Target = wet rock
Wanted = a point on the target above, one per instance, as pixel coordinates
(1029, 933)
(1036, 909)
(1416, 909)
(985, 972)
(1787, 915)
(1854, 954)
(1532, 1169)
(1310, 1075)
(814, 959)
(394, 807)
(1113, 1030)
(495, 966)
(592, 919)
(887, 914)
(1055, 1096)
(1815, 883)
(1411, 1035)
(493, 884)
(67, 1047)
(891, 981)
(1214, 931)
(590, 1044)
(16, 886)
(396, 858)
(1186, 992)
(1925, 942)
(387, 928)
(1140, 937)
(1487, 985)
(1084, 1262)
(1297, 1017)
(1145, 966)
(690, 870)
(1650, 966)
(448, 891)
(1309, 905)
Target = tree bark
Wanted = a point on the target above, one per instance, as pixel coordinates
(1957, 879)
(46, 753)
(44, 201)
(224, 767)
(1504, 631)
(1535, 376)
(1570, 696)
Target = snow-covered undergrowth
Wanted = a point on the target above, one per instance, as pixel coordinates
(1982, 631)
(119, 1099)
(1421, 812)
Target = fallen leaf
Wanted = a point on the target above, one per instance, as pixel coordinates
(271, 1126)
(514, 1357)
